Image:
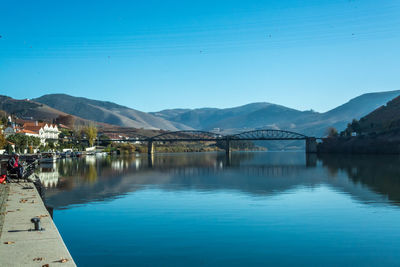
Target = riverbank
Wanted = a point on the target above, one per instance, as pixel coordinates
(126, 148)
(20, 244)
(360, 145)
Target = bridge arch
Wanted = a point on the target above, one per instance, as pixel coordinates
(187, 135)
(268, 134)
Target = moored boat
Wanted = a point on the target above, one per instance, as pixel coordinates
(48, 157)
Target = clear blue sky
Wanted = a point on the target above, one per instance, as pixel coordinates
(153, 55)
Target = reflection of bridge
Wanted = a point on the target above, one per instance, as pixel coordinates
(203, 136)
(254, 171)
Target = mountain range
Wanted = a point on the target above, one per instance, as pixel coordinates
(267, 115)
(247, 117)
(106, 112)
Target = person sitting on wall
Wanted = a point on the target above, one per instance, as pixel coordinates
(14, 166)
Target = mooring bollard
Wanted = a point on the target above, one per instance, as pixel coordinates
(36, 222)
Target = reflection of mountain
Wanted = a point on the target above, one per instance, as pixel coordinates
(256, 174)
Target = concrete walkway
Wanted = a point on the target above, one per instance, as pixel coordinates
(18, 245)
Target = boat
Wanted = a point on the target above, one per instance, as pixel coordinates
(48, 157)
(101, 154)
(66, 154)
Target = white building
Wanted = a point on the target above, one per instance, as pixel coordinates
(28, 133)
(44, 131)
(49, 131)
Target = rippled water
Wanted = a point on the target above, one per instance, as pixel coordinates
(256, 209)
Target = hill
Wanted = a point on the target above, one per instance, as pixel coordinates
(384, 120)
(267, 115)
(340, 116)
(31, 110)
(209, 118)
(27, 108)
(377, 133)
(106, 112)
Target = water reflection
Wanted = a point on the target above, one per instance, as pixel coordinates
(379, 173)
(48, 174)
(371, 179)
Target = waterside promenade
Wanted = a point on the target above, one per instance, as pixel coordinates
(20, 244)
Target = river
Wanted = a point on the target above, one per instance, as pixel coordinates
(198, 209)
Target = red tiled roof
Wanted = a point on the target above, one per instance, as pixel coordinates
(34, 123)
(33, 128)
(28, 131)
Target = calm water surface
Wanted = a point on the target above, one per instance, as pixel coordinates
(257, 209)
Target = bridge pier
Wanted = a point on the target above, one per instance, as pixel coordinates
(150, 148)
(228, 154)
(227, 147)
(311, 160)
(228, 159)
(311, 145)
(150, 161)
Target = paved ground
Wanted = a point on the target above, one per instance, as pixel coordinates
(18, 245)
(3, 198)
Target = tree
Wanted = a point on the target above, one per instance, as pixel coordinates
(51, 144)
(34, 141)
(78, 133)
(22, 141)
(66, 133)
(104, 140)
(3, 141)
(19, 140)
(355, 125)
(348, 130)
(67, 120)
(332, 132)
(91, 134)
(3, 120)
(8, 148)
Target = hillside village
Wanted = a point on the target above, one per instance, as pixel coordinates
(36, 134)
(42, 130)
(27, 136)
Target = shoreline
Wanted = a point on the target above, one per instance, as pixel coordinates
(359, 145)
(20, 243)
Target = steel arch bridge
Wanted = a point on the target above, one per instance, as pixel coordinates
(268, 134)
(204, 136)
(193, 135)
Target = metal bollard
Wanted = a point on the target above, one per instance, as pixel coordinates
(36, 222)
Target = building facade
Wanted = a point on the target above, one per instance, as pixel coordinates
(45, 131)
